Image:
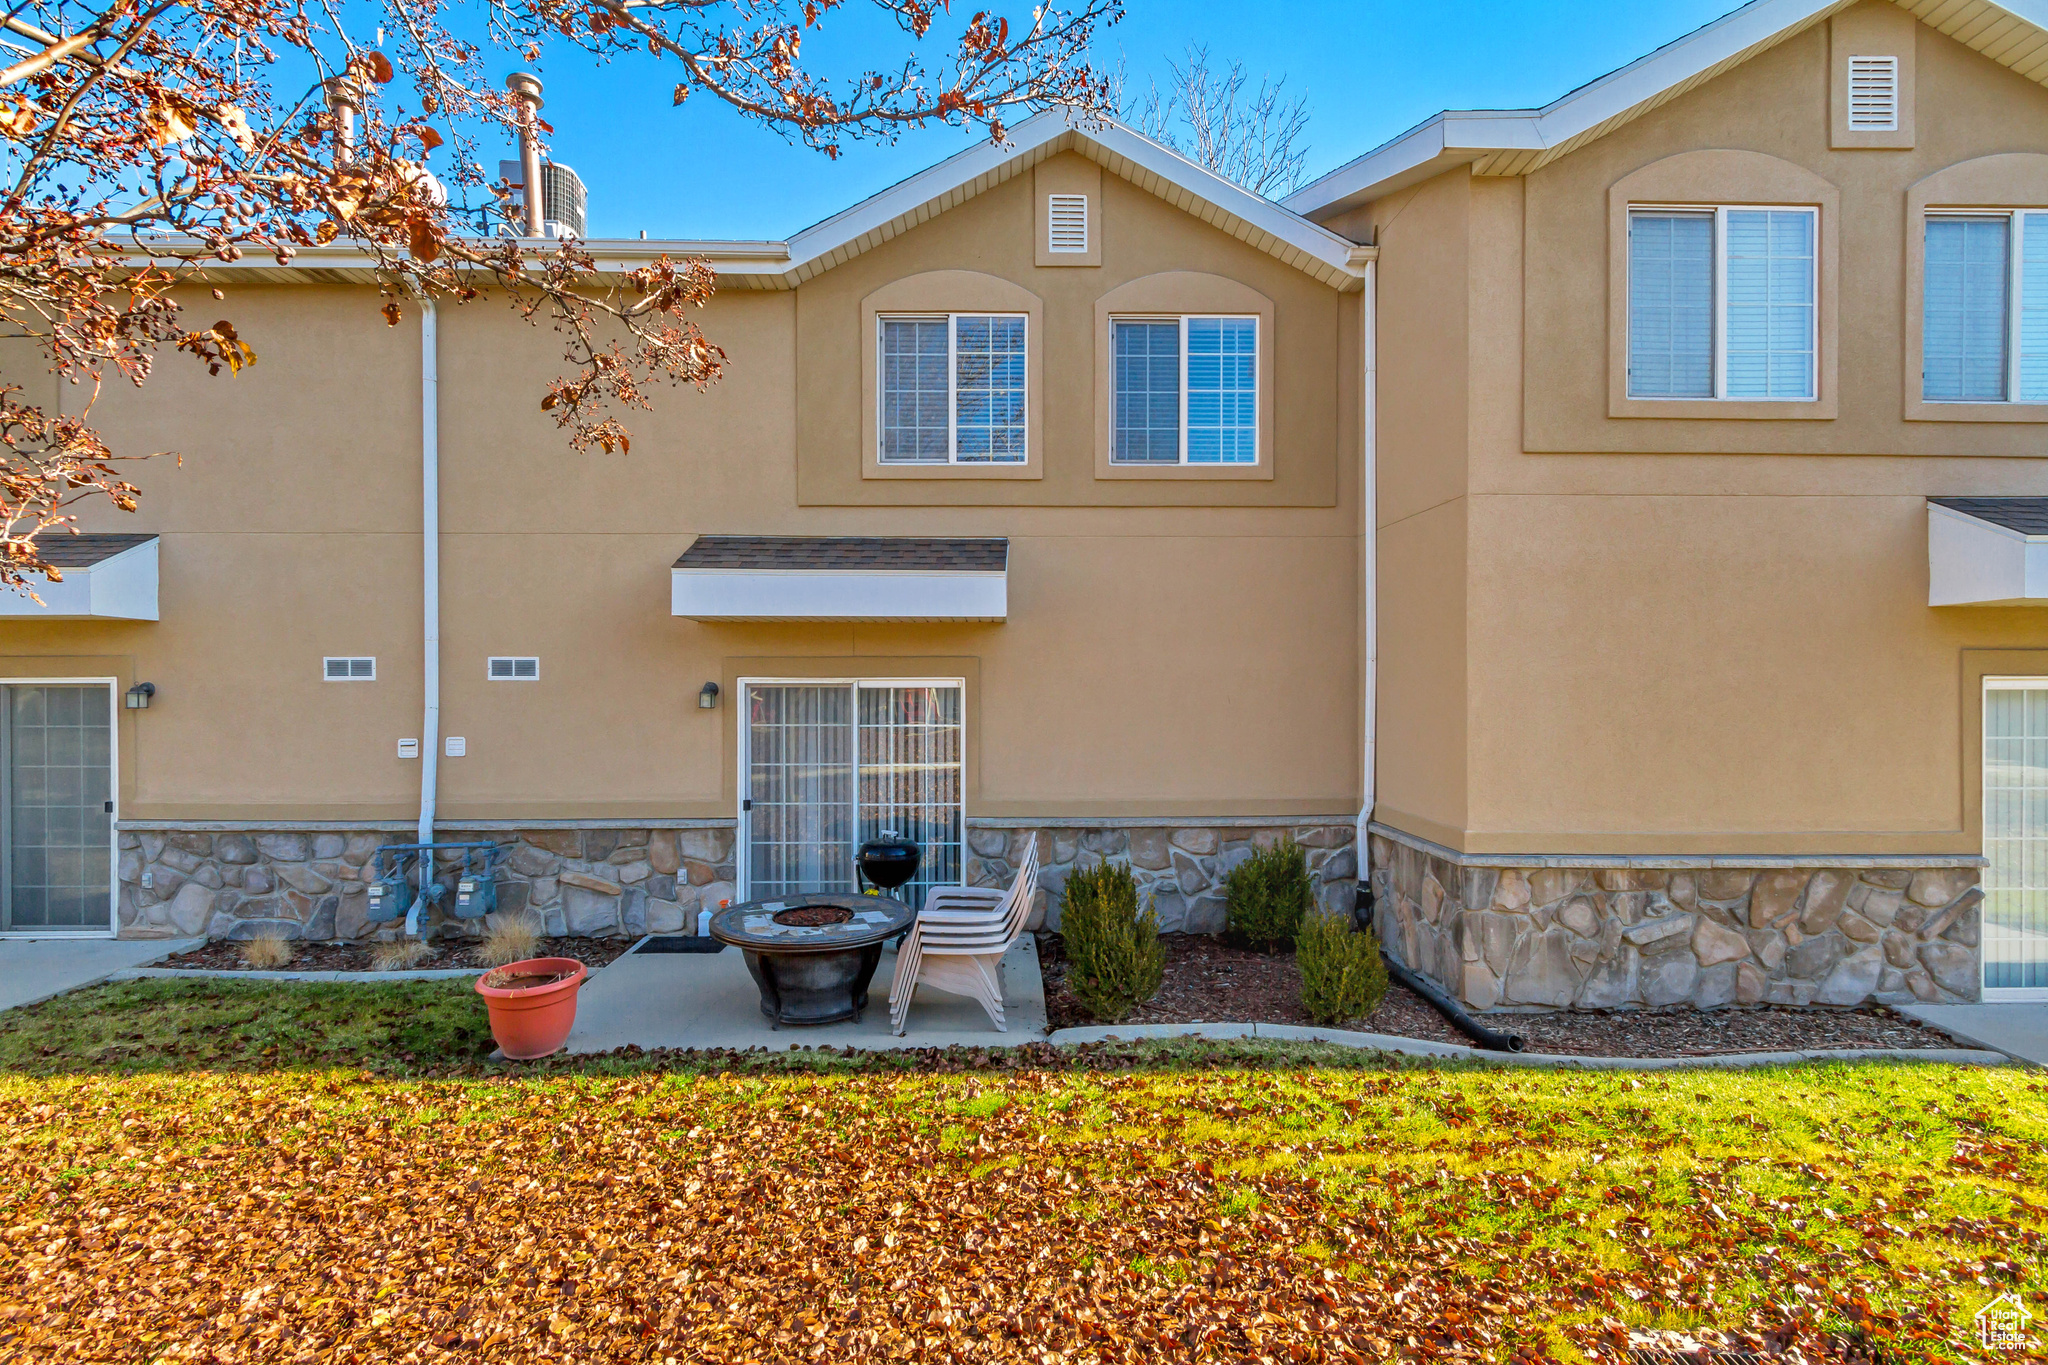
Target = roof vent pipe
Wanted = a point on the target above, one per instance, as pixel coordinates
(344, 98)
(525, 89)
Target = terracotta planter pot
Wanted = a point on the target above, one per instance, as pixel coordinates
(533, 1021)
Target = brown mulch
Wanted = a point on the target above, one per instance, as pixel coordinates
(1208, 981)
(221, 955)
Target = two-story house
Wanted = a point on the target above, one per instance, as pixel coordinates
(1621, 521)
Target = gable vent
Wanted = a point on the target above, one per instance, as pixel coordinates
(1067, 216)
(514, 669)
(1874, 94)
(349, 669)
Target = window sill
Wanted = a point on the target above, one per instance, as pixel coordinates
(1724, 409)
(1107, 469)
(1029, 469)
(1919, 410)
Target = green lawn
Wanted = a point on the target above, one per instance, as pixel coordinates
(253, 1191)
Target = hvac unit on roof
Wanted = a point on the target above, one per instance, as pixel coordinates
(1873, 94)
(563, 199)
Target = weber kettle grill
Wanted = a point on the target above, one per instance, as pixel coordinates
(887, 861)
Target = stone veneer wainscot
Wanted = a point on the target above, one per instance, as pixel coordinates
(596, 881)
(1506, 933)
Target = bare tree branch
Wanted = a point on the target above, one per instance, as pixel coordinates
(1215, 118)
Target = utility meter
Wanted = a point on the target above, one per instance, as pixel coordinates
(475, 896)
(390, 898)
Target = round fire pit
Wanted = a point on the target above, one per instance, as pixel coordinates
(812, 956)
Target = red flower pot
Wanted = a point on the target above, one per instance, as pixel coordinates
(532, 1021)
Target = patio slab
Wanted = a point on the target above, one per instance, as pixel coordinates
(2020, 1031)
(678, 1000)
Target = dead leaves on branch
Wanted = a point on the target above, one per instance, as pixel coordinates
(1015, 1217)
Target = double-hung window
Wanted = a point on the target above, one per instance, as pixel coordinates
(1186, 390)
(953, 388)
(1722, 303)
(1985, 310)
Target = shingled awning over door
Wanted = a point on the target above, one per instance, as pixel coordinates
(842, 578)
(1987, 552)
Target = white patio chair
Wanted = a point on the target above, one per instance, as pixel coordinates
(958, 942)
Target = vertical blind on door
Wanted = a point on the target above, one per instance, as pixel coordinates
(2015, 925)
(59, 777)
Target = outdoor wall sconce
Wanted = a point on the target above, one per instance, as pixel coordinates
(139, 695)
(707, 697)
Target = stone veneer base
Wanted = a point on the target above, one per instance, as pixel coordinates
(597, 878)
(1502, 933)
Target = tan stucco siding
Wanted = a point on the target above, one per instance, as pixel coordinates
(1722, 647)
(1159, 660)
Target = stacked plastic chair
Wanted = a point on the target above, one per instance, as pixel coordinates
(958, 942)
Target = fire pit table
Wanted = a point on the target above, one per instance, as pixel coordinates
(812, 956)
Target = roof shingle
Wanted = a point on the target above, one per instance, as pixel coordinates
(84, 551)
(848, 554)
(2028, 516)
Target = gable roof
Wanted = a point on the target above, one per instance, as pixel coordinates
(1256, 221)
(2013, 33)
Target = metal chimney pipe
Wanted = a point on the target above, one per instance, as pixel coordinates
(344, 98)
(525, 88)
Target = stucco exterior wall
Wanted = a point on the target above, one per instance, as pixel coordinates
(1175, 650)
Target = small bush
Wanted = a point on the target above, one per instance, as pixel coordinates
(1342, 976)
(400, 956)
(1114, 958)
(267, 952)
(1268, 894)
(512, 938)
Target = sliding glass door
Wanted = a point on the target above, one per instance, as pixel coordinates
(828, 765)
(57, 809)
(2015, 936)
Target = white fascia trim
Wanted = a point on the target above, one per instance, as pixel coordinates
(866, 595)
(120, 587)
(1460, 136)
(1973, 562)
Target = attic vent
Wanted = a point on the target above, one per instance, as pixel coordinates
(1873, 94)
(349, 670)
(514, 670)
(1067, 217)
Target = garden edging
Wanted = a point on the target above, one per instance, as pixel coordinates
(237, 974)
(1417, 1047)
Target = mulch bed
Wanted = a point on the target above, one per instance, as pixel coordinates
(1210, 982)
(221, 955)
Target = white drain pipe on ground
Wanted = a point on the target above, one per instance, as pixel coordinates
(430, 594)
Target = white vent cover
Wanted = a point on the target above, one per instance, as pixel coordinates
(349, 669)
(1067, 222)
(509, 669)
(1873, 94)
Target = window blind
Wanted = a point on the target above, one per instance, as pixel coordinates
(1963, 357)
(2033, 326)
(1223, 386)
(1770, 303)
(914, 389)
(988, 354)
(1147, 383)
(1671, 305)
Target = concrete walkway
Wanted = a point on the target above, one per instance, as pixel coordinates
(677, 1000)
(2019, 1031)
(35, 969)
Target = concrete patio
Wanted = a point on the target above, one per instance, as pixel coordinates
(33, 969)
(678, 1000)
(2019, 1031)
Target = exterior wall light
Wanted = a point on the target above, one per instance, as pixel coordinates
(707, 697)
(139, 695)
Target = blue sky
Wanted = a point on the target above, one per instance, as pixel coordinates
(1370, 69)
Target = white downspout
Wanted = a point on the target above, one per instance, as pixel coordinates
(1369, 577)
(430, 562)
(430, 595)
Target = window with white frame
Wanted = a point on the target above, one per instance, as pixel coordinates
(1721, 303)
(1984, 317)
(953, 388)
(1185, 390)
